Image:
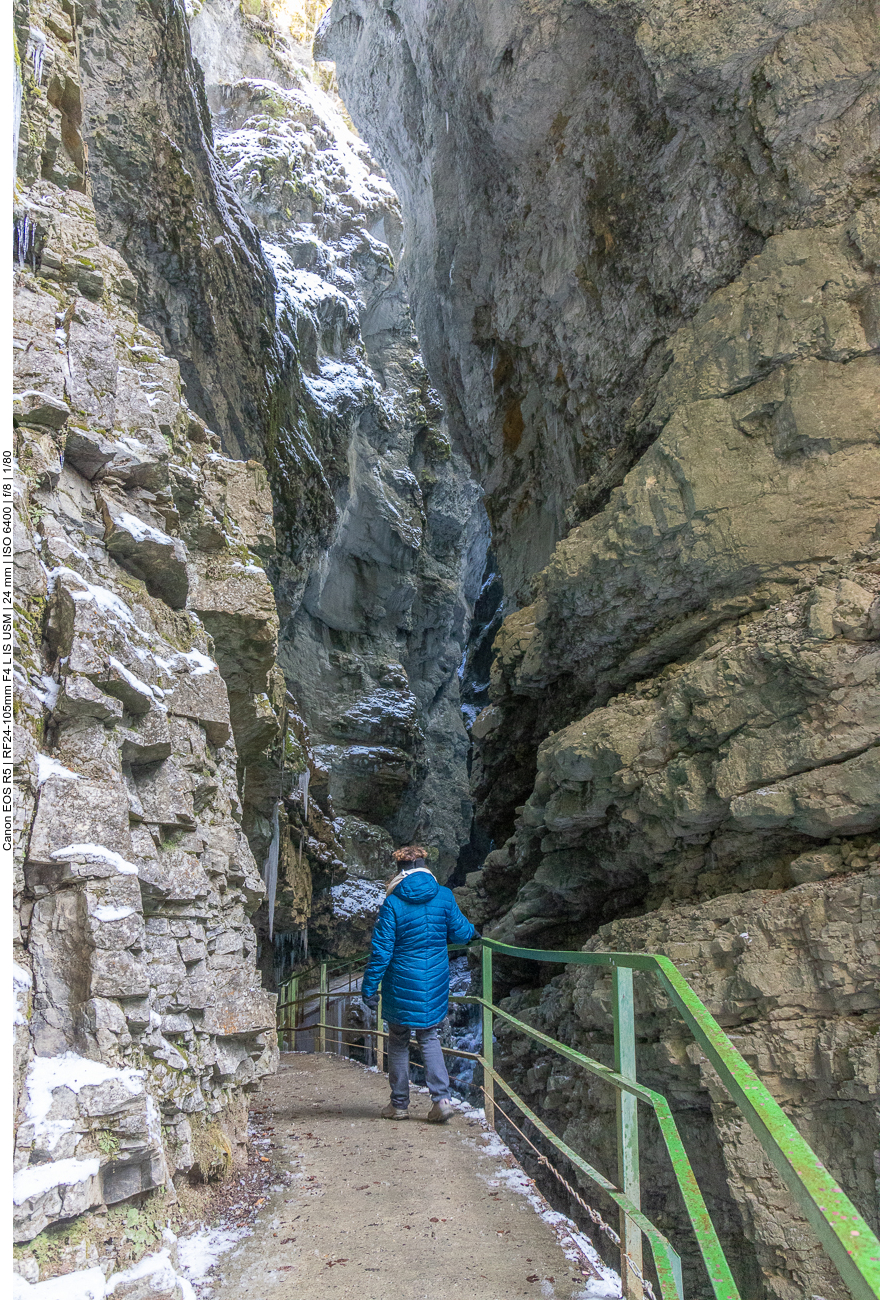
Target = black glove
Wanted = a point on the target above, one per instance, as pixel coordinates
(372, 1002)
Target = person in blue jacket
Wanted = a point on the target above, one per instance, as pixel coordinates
(409, 960)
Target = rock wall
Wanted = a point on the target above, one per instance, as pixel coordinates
(792, 977)
(642, 245)
(227, 669)
(140, 1023)
(576, 179)
(374, 623)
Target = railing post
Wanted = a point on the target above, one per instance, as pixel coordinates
(627, 1129)
(293, 1012)
(488, 1055)
(322, 1009)
(280, 1013)
(380, 1037)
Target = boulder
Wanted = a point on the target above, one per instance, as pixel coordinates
(199, 692)
(149, 554)
(92, 813)
(34, 407)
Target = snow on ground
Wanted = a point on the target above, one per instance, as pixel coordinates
(90, 1283)
(199, 1253)
(235, 1210)
(577, 1247)
(159, 1268)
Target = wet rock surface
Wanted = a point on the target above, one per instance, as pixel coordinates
(576, 180)
(642, 245)
(374, 625)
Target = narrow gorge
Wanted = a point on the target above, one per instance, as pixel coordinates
(454, 423)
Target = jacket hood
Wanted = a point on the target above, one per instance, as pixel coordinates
(418, 887)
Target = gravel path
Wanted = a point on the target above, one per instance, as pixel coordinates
(378, 1210)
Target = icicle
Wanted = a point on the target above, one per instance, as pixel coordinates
(37, 51)
(447, 124)
(304, 792)
(270, 869)
(16, 109)
(25, 242)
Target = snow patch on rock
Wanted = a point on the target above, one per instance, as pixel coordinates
(105, 912)
(37, 1179)
(46, 1073)
(99, 853)
(356, 897)
(86, 1284)
(48, 766)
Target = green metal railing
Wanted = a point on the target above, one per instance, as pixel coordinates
(321, 995)
(841, 1230)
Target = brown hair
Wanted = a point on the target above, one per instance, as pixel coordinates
(409, 853)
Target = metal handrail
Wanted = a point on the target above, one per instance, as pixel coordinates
(289, 999)
(842, 1231)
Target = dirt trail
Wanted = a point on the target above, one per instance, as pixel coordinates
(382, 1210)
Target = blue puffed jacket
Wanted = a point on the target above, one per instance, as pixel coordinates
(408, 956)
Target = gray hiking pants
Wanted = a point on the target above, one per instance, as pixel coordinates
(436, 1076)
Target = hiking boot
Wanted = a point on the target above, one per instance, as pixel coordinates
(441, 1112)
(395, 1112)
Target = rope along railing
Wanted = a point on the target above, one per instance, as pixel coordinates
(591, 1213)
(841, 1230)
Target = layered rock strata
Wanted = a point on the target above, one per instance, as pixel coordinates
(159, 747)
(178, 296)
(141, 1022)
(642, 245)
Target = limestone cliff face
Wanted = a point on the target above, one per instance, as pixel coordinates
(141, 1023)
(263, 245)
(372, 638)
(792, 977)
(642, 244)
(576, 179)
(227, 668)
